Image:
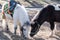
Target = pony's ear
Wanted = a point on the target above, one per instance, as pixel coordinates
(51, 7)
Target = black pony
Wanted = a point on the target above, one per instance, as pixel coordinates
(48, 14)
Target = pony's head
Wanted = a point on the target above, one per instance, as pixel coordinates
(34, 29)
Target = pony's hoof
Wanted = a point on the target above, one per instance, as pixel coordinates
(15, 32)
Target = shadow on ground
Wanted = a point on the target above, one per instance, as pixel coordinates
(14, 37)
(3, 37)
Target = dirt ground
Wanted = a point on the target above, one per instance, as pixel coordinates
(43, 34)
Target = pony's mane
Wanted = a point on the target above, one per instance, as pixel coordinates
(35, 16)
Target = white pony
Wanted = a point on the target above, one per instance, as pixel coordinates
(19, 15)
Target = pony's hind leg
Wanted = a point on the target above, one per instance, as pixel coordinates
(5, 25)
(7, 28)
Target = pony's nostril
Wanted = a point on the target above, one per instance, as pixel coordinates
(31, 34)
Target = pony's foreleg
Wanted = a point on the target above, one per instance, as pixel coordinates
(15, 28)
(15, 25)
(52, 27)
